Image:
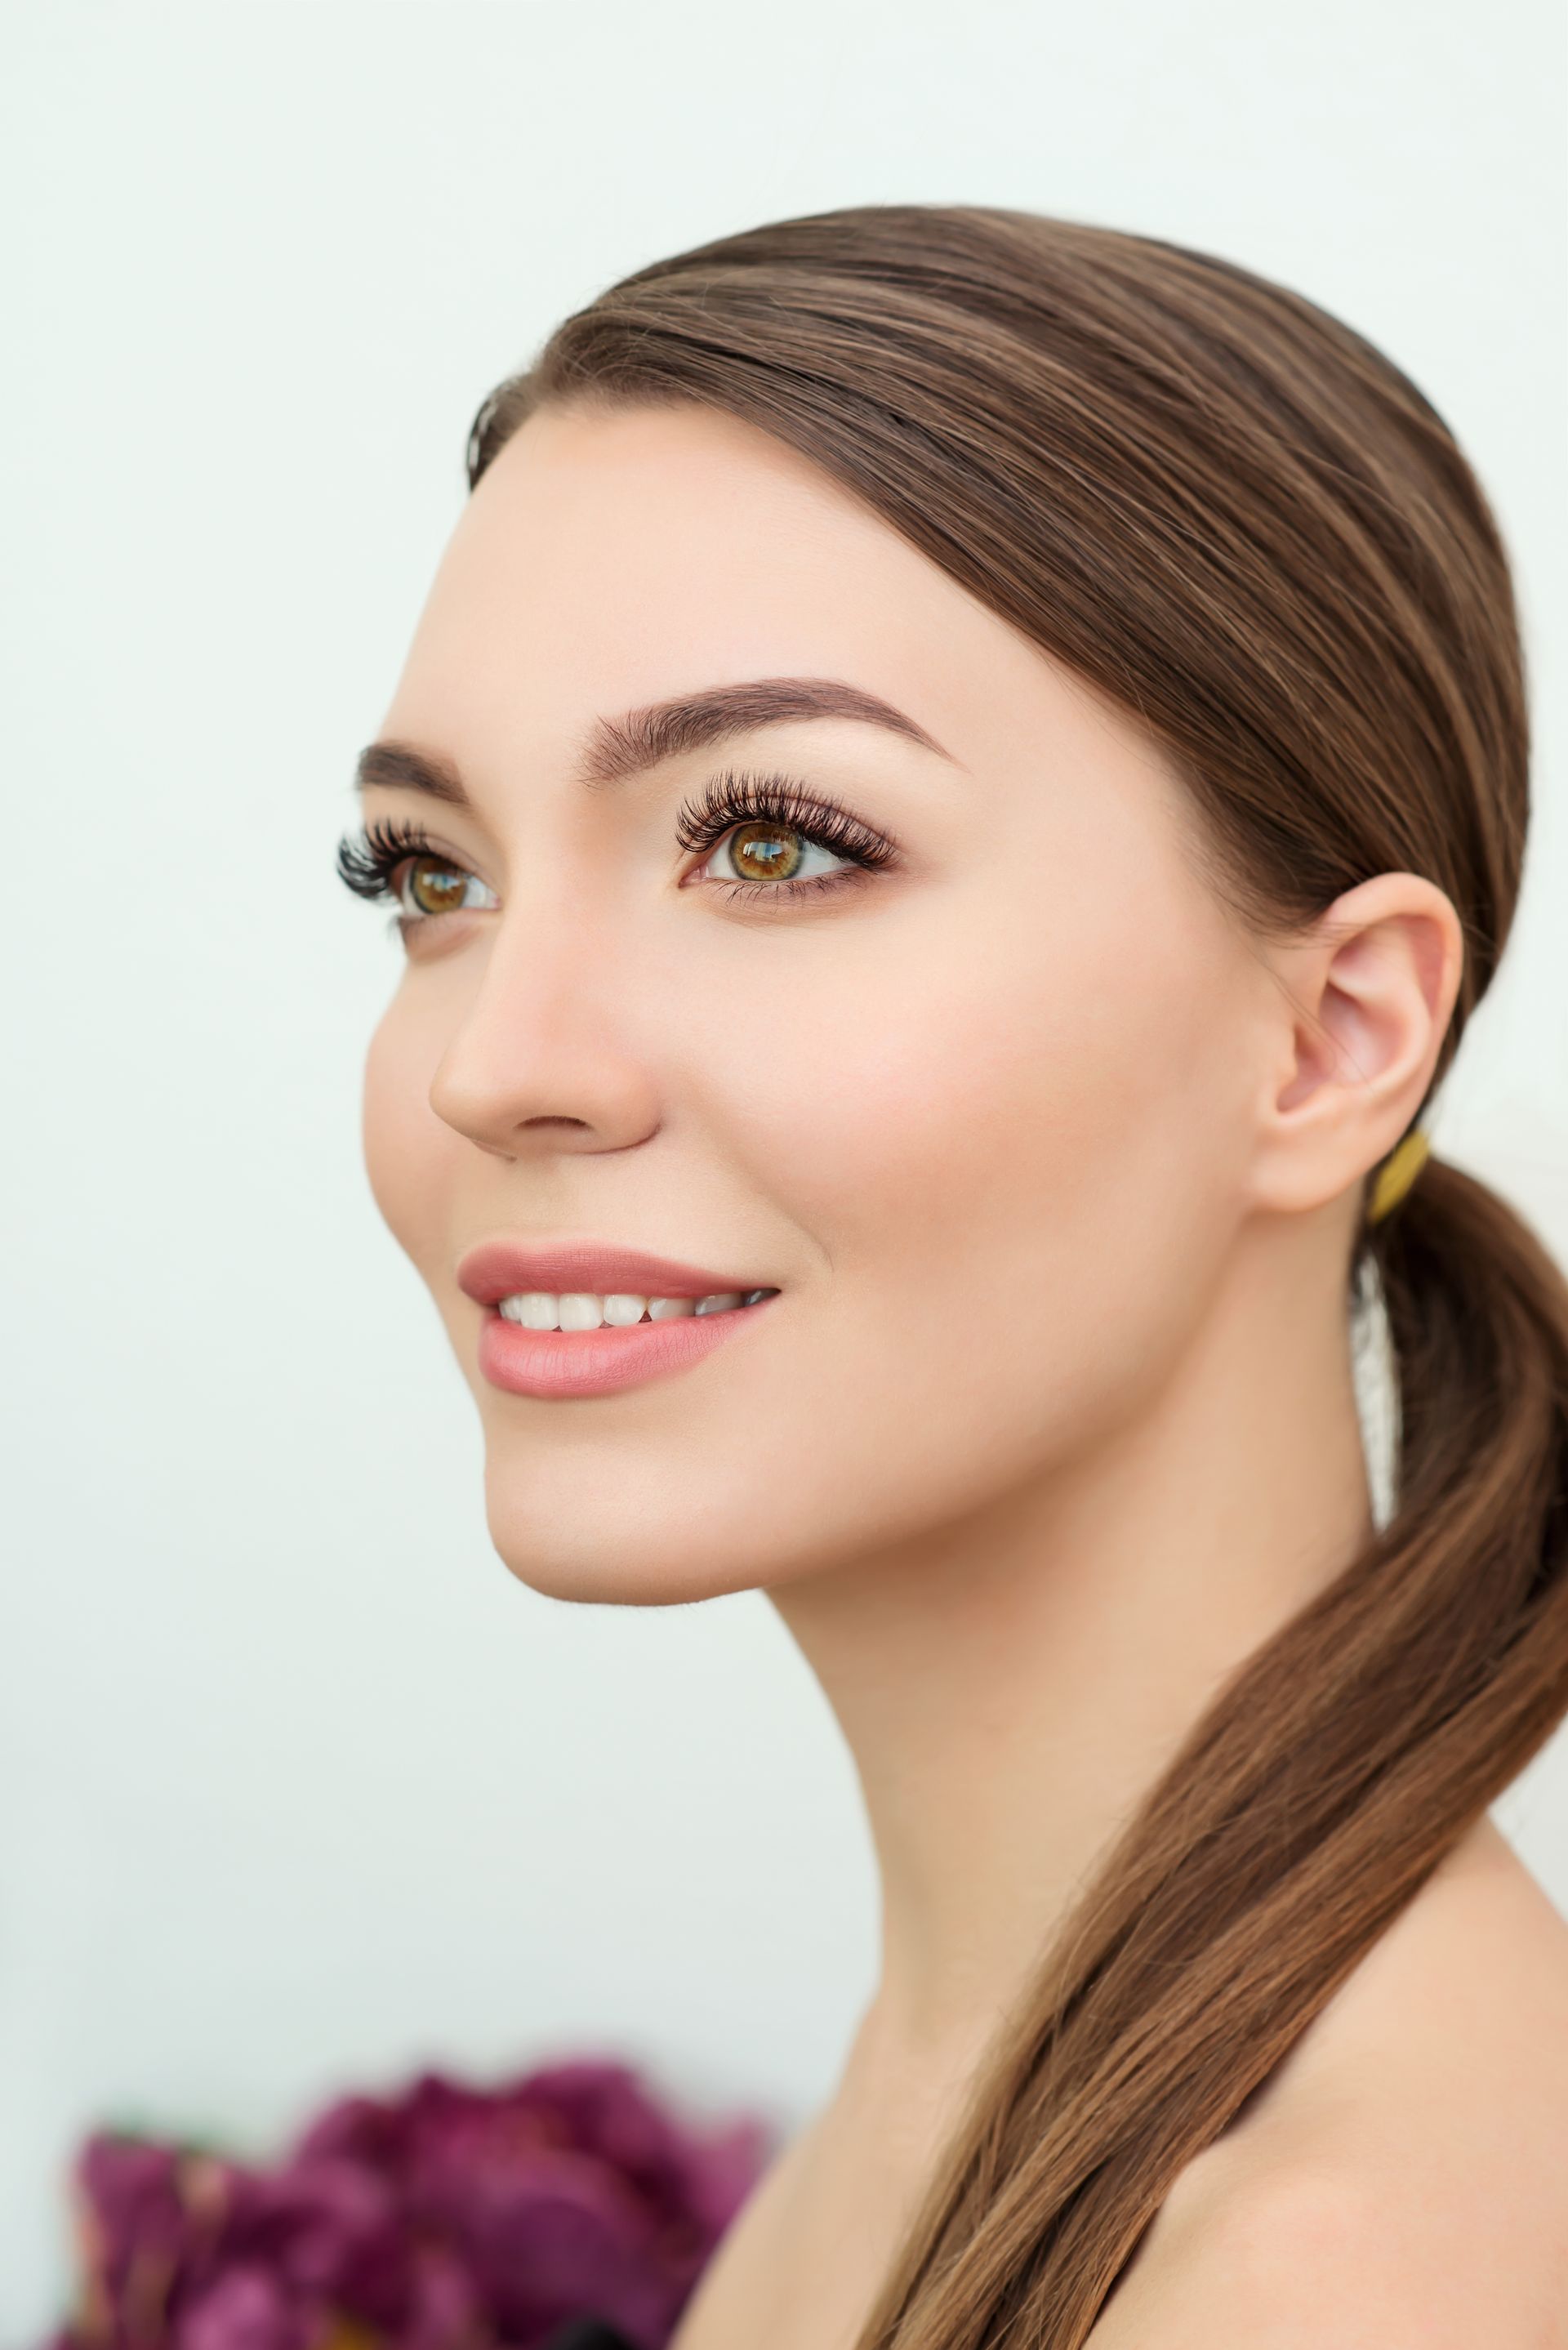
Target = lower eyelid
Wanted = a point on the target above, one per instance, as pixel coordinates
(815, 885)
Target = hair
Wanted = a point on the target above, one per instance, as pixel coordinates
(1227, 510)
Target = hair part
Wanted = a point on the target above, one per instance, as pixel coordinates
(1238, 519)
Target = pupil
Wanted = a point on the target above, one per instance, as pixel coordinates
(760, 852)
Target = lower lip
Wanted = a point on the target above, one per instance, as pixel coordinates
(600, 1362)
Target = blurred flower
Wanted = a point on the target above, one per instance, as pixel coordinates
(447, 2218)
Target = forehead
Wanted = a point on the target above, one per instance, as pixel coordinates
(611, 557)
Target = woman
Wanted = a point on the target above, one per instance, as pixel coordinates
(959, 780)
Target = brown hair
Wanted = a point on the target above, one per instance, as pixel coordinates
(1231, 513)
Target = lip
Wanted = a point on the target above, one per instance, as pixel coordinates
(498, 1269)
(567, 1363)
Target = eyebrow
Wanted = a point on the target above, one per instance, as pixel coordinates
(616, 748)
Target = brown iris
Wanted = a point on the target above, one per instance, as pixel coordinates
(761, 851)
(434, 887)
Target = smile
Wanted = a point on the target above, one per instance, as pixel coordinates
(576, 1344)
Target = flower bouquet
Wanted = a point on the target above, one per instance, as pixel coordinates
(447, 2218)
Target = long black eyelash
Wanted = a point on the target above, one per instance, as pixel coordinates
(734, 798)
(366, 862)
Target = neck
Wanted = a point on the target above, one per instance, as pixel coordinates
(1011, 1687)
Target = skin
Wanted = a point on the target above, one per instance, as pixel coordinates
(1057, 1170)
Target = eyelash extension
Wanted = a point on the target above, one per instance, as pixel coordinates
(367, 862)
(734, 799)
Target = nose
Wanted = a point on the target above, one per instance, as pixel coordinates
(544, 1056)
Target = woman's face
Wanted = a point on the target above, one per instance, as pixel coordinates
(978, 1110)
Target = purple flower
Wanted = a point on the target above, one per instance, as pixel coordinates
(246, 2309)
(446, 2217)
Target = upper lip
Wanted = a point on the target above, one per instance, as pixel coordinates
(498, 1269)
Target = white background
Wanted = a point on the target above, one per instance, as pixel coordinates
(298, 1788)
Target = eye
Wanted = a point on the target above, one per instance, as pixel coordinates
(429, 885)
(398, 864)
(777, 839)
(763, 850)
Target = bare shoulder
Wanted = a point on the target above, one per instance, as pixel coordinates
(1402, 2181)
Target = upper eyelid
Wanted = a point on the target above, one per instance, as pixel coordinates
(739, 796)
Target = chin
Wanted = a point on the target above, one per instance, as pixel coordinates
(601, 1554)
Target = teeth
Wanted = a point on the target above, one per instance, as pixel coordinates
(668, 1309)
(577, 1309)
(533, 1309)
(540, 1309)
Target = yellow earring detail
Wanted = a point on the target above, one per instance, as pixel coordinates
(1399, 1173)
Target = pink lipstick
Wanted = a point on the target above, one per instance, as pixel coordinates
(589, 1361)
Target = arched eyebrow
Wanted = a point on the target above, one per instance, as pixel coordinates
(616, 748)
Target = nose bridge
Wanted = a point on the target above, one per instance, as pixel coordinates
(543, 1038)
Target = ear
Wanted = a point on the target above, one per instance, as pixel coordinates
(1366, 997)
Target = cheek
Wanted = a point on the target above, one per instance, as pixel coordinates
(989, 1098)
(1007, 1153)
